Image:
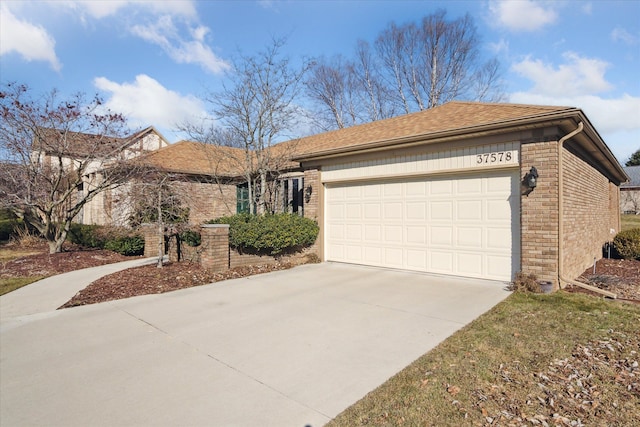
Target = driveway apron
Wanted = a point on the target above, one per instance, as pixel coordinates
(288, 348)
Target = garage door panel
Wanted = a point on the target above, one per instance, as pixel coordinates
(417, 235)
(372, 255)
(499, 238)
(469, 264)
(498, 266)
(469, 186)
(441, 211)
(354, 253)
(393, 234)
(371, 191)
(372, 233)
(469, 237)
(393, 257)
(393, 189)
(440, 236)
(441, 262)
(353, 211)
(440, 187)
(498, 210)
(372, 211)
(466, 225)
(354, 232)
(393, 211)
(469, 210)
(418, 188)
(336, 232)
(416, 211)
(417, 259)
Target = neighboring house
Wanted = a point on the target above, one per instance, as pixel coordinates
(630, 192)
(106, 206)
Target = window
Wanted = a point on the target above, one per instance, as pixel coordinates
(293, 197)
(242, 198)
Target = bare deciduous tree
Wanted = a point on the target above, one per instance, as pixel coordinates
(415, 66)
(57, 154)
(256, 109)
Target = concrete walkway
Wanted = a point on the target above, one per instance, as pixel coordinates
(288, 348)
(48, 294)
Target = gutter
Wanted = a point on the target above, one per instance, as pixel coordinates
(561, 277)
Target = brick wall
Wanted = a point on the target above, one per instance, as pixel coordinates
(312, 178)
(206, 200)
(539, 212)
(590, 212)
(214, 251)
(151, 239)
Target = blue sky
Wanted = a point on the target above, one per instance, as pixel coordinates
(154, 60)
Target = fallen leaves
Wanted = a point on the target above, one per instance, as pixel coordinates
(568, 390)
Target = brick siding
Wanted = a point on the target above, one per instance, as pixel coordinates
(590, 212)
(539, 212)
(206, 200)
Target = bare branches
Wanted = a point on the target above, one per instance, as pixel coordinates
(412, 67)
(57, 155)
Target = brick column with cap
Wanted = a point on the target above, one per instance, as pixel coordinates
(215, 247)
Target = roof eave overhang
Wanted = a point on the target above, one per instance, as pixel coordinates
(567, 120)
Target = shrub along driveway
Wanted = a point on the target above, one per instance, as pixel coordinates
(289, 348)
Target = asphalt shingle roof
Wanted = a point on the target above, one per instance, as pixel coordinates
(634, 177)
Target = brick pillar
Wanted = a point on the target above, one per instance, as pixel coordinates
(215, 247)
(312, 206)
(151, 239)
(539, 212)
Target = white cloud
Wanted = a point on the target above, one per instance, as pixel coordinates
(501, 46)
(524, 15)
(146, 102)
(31, 42)
(165, 34)
(578, 82)
(99, 9)
(577, 76)
(617, 120)
(620, 34)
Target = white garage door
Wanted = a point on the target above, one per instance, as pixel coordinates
(465, 226)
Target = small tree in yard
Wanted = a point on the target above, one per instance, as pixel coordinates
(154, 200)
(57, 154)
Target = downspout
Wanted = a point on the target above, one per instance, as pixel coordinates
(561, 277)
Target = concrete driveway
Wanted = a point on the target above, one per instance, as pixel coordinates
(289, 348)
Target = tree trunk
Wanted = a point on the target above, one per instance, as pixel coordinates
(160, 231)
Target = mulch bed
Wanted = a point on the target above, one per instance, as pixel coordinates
(622, 277)
(45, 264)
(150, 279)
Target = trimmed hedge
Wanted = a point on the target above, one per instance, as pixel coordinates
(273, 233)
(126, 245)
(191, 238)
(120, 240)
(627, 243)
(89, 236)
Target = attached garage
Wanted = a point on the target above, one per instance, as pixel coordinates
(447, 191)
(462, 225)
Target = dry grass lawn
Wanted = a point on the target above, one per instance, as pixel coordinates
(630, 221)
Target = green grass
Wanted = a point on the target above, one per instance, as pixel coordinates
(630, 221)
(13, 283)
(493, 365)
